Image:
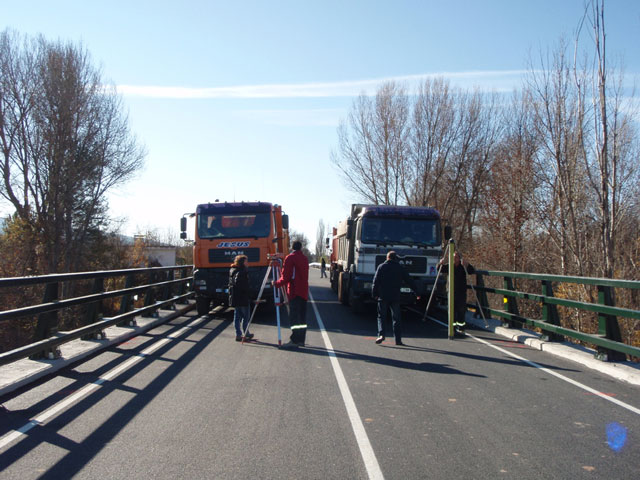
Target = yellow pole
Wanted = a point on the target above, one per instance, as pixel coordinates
(452, 247)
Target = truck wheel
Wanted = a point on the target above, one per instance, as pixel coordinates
(342, 293)
(202, 305)
(355, 302)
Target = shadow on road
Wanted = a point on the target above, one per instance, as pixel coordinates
(390, 362)
(80, 453)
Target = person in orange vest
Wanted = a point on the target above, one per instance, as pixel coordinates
(295, 275)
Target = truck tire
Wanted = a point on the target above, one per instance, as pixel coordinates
(202, 305)
(343, 297)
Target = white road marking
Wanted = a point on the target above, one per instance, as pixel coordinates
(631, 408)
(40, 419)
(368, 455)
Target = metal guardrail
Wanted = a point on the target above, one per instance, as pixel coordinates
(157, 293)
(608, 339)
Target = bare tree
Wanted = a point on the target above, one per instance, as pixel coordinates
(473, 160)
(434, 132)
(65, 144)
(559, 120)
(296, 236)
(372, 145)
(508, 207)
(610, 155)
(453, 134)
(436, 151)
(320, 242)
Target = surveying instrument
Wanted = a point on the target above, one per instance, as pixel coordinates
(449, 254)
(274, 268)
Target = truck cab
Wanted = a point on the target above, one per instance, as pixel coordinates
(369, 233)
(223, 230)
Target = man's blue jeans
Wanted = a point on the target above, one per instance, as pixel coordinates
(383, 307)
(241, 314)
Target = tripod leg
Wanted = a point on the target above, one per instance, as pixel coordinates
(486, 324)
(435, 285)
(432, 292)
(276, 298)
(255, 307)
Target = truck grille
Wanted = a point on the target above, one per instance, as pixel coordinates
(412, 264)
(226, 255)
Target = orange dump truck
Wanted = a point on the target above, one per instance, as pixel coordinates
(224, 230)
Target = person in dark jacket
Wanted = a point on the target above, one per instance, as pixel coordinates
(239, 296)
(387, 282)
(460, 269)
(295, 275)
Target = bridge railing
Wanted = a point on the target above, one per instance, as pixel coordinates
(155, 288)
(605, 332)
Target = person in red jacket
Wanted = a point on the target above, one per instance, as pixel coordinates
(295, 275)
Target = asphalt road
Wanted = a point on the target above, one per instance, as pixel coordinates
(187, 401)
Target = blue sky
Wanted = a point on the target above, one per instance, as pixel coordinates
(241, 100)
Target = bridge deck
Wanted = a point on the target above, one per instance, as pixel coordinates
(185, 400)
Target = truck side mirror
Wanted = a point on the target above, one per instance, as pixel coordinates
(183, 226)
(285, 222)
(183, 235)
(447, 233)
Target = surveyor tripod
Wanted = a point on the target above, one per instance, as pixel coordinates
(274, 269)
(449, 253)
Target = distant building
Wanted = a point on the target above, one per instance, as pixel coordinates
(164, 255)
(158, 254)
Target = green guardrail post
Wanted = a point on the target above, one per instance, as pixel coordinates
(549, 314)
(510, 303)
(47, 325)
(482, 298)
(608, 327)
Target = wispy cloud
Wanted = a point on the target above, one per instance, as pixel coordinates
(493, 80)
(315, 117)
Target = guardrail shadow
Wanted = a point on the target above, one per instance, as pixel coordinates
(79, 454)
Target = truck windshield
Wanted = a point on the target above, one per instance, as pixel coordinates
(409, 231)
(233, 225)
